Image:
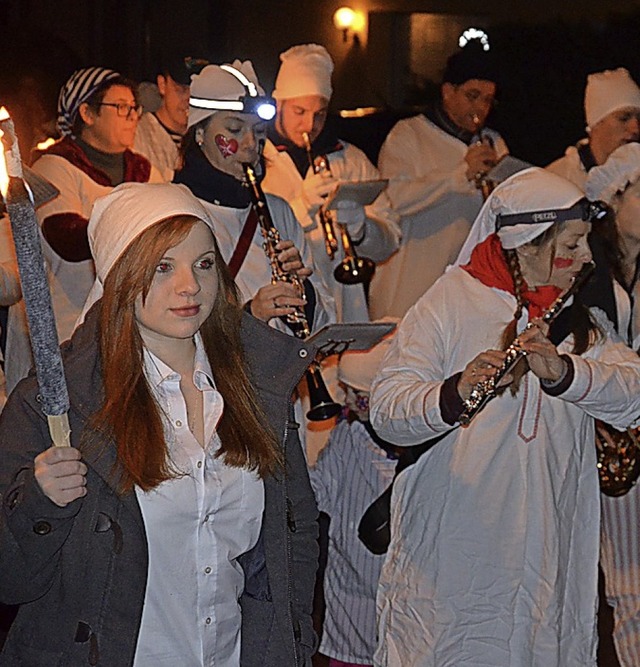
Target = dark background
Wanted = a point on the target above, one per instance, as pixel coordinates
(546, 51)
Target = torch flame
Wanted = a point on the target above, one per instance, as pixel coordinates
(43, 145)
(4, 114)
(4, 178)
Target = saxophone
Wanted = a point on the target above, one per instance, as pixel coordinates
(484, 391)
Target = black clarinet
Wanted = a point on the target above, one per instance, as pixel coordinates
(297, 320)
(322, 405)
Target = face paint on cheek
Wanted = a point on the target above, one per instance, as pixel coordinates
(562, 262)
(227, 147)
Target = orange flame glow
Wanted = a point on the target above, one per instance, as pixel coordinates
(4, 178)
(43, 145)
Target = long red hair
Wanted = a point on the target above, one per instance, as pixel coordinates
(129, 414)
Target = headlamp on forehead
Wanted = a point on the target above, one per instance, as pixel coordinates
(583, 209)
(252, 102)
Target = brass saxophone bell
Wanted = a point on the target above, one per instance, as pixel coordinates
(322, 405)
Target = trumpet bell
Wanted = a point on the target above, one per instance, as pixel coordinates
(354, 271)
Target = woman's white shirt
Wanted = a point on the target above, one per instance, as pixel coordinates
(197, 525)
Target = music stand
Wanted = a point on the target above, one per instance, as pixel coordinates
(358, 336)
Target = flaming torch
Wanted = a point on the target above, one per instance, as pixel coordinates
(52, 384)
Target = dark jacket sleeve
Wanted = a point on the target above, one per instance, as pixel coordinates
(302, 515)
(32, 527)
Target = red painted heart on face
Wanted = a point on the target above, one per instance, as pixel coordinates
(227, 147)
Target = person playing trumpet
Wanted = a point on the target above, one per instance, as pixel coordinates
(301, 135)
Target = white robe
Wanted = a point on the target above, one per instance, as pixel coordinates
(429, 189)
(69, 282)
(495, 531)
(620, 545)
(570, 166)
(255, 271)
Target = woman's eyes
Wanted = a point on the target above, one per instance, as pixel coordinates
(206, 263)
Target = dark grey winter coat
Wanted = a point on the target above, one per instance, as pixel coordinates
(79, 572)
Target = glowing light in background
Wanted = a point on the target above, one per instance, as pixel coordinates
(346, 19)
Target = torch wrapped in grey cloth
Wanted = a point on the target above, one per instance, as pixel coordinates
(35, 290)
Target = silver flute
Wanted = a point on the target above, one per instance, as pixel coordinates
(486, 390)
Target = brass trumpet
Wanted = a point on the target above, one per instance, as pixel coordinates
(319, 165)
(353, 269)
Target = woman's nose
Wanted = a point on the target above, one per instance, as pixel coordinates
(187, 283)
(586, 254)
(249, 140)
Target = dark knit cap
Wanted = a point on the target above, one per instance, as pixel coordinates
(471, 62)
(181, 68)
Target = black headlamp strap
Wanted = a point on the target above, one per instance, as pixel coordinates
(583, 209)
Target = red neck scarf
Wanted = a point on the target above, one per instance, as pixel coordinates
(137, 168)
(489, 266)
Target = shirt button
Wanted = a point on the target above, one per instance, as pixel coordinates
(178, 422)
(303, 353)
(199, 464)
(207, 570)
(208, 621)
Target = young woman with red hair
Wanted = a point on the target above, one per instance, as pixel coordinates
(179, 527)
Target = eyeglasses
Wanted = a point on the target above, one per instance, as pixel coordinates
(123, 109)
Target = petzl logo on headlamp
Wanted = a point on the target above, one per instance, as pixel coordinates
(252, 102)
(547, 216)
